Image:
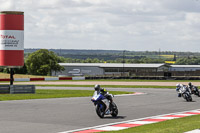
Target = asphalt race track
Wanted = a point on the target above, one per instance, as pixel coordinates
(63, 114)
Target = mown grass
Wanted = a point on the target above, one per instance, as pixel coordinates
(126, 80)
(6, 75)
(140, 80)
(179, 125)
(42, 94)
(112, 86)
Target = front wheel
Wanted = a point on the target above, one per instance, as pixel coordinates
(188, 98)
(114, 110)
(100, 111)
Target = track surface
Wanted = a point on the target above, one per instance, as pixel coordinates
(63, 114)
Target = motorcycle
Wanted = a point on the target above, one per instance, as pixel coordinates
(103, 105)
(186, 93)
(195, 91)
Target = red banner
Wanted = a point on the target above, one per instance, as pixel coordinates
(11, 39)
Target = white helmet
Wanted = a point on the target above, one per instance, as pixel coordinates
(178, 85)
(97, 87)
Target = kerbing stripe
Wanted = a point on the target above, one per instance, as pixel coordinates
(178, 116)
(156, 120)
(185, 114)
(89, 131)
(136, 93)
(127, 125)
(192, 113)
(142, 122)
(166, 118)
(194, 131)
(133, 123)
(111, 128)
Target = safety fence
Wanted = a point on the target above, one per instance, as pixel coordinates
(45, 79)
(17, 89)
(96, 78)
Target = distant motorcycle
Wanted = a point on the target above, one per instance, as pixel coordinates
(195, 91)
(103, 105)
(186, 93)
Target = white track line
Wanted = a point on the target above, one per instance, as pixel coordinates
(136, 93)
(194, 131)
(132, 121)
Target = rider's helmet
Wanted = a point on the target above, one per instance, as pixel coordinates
(189, 84)
(97, 87)
(178, 85)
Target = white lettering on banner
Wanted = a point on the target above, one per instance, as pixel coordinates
(11, 40)
(86, 71)
(75, 71)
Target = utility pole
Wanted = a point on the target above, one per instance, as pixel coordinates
(159, 53)
(123, 60)
(11, 76)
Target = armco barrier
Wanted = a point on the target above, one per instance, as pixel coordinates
(36, 79)
(17, 89)
(4, 89)
(65, 78)
(4, 79)
(46, 79)
(51, 79)
(22, 79)
(78, 78)
(22, 89)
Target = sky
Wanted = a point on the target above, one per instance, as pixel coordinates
(135, 25)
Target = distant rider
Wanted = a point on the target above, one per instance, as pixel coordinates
(103, 92)
(181, 86)
(178, 87)
(191, 87)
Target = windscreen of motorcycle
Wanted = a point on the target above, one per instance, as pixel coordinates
(95, 96)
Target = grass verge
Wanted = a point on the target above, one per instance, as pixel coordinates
(6, 75)
(94, 80)
(139, 80)
(179, 125)
(42, 94)
(111, 86)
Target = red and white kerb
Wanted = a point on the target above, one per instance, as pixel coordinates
(11, 39)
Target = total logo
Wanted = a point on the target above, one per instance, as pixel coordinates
(7, 37)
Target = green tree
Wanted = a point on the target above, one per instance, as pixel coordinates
(43, 62)
(188, 61)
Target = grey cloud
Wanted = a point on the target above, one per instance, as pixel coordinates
(182, 5)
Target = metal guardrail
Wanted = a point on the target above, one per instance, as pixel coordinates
(17, 89)
(4, 89)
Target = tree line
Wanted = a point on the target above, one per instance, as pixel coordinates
(43, 62)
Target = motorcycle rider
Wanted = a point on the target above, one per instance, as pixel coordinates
(191, 87)
(103, 92)
(178, 87)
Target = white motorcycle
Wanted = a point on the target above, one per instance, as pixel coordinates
(185, 93)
